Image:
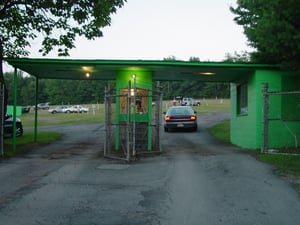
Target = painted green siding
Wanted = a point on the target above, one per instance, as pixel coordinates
(10, 110)
(143, 79)
(246, 130)
(243, 127)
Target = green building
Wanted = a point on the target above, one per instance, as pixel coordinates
(279, 127)
(282, 118)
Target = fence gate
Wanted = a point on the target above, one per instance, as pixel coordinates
(280, 121)
(126, 138)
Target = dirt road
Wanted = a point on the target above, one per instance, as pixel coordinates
(197, 180)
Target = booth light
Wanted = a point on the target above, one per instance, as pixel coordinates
(87, 75)
(206, 73)
(132, 92)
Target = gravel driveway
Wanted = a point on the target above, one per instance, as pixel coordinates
(197, 180)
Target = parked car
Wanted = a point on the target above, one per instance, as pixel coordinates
(57, 109)
(80, 109)
(76, 109)
(180, 117)
(25, 109)
(44, 106)
(8, 126)
(68, 109)
(190, 102)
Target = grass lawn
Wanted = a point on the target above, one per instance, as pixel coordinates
(25, 142)
(221, 131)
(285, 164)
(44, 118)
(207, 105)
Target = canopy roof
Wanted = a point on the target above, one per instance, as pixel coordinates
(161, 70)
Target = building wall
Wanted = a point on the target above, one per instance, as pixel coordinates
(10, 110)
(243, 126)
(274, 80)
(246, 129)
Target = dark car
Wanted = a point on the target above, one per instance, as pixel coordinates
(25, 109)
(44, 106)
(180, 117)
(8, 127)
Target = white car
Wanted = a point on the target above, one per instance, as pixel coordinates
(80, 109)
(190, 102)
(58, 109)
(76, 109)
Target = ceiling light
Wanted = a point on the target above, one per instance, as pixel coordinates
(205, 73)
(87, 68)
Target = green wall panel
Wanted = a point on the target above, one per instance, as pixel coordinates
(143, 80)
(10, 110)
(284, 112)
(243, 127)
(246, 130)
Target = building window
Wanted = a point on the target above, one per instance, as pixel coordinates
(242, 99)
(141, 101)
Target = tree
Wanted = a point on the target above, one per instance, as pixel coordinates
(194, 59)
(237, 57)
(59, 22)
(272, 28)
(197, 89)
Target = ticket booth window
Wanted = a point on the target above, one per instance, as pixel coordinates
(141, 101)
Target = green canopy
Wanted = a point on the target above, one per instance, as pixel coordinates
(161, 70)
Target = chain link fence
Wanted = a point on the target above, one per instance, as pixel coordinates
(280, 121)
(125, 136)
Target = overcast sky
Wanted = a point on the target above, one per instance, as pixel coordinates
(157, 29)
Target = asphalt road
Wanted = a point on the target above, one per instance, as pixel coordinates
(196, 181)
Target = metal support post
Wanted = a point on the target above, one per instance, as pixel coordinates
(15, 111)
(128, 122)
(265, 124)
(36, 108)
(2, 118)
(134, 117)
(106, 141)
(160, 114)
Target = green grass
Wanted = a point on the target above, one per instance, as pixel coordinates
(47, 119)
(221, 131)
(25, 143)
(285, 164)
(207, 105)
(213, 105)
(97, 114)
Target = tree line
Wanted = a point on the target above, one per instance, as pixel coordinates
(70, 92)
(56, 92)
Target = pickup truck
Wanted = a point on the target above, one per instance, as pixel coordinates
(190, 102)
